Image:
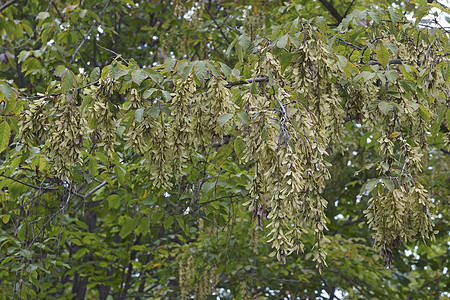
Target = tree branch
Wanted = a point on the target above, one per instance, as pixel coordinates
(4, 6)
(329, 6)
(241, 82)
(87, 34)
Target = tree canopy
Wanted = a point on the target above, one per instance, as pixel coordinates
(234, 149)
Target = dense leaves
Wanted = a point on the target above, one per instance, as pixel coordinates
(241, 149)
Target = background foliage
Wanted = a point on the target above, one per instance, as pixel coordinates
(246, 149)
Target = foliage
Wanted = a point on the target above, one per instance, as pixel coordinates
(143, 142)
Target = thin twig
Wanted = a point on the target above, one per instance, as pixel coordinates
(87, 34)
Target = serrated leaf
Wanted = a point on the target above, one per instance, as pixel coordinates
(222, 119)
(60, 71)
(5, 134)
(93, 167)
(385, 107)
(183, 224)
(225, 69)
(425, 114)
(230, 47)
(138, 76)
(200, 70)
(388, 183)
(371, 184)
(239, 147)
(42, 15)
(382, 55)
(374, 16)
(128, 227)
(154, 112)
(138, 114)
(144, 226)
(393, 15)
(285, 60)
(282, 41)
(120, 173)
(392, 47)
(114, 201)
(341, 60)
(68, 81)
(95, 74)
(243, 117)
(244, 41)
(148, 93)
(168, 222)
(208, 186)
(223, 153)
(169, 64)
(392, 75)
(366, 75)
(6, 91)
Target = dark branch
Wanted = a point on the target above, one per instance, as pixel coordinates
(257, 79)
(329, 6)
(396, 61)
(87, 34)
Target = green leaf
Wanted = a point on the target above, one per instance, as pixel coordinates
(385, 107)
(225, 69)
(114, 201)
(383, 56)
(425, 114)
(128, 227)
(239, 147)
(222, 119)
(374, 16)
(42, 15)
(95, 74)
(392, 76)
(168, 222)
(148, 93)
(138, 114)
(6, 91)
(371, 184)
(244, 41)
(448, 119)
(388, 183)
(183, 224)
(200, 70)
(169, 64)
(223, 153)
(93, 167)
(138, 76)
(282, 41)
(154, 112)
(120, 173)
(144, 226)
(285, 60)
(68, 81)
(60, 71)
(341, 60)
(393, 15)
(5, 133)
(243, 117)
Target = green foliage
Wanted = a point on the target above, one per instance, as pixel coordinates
(241, 149)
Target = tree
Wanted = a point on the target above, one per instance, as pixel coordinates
(167, 149)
